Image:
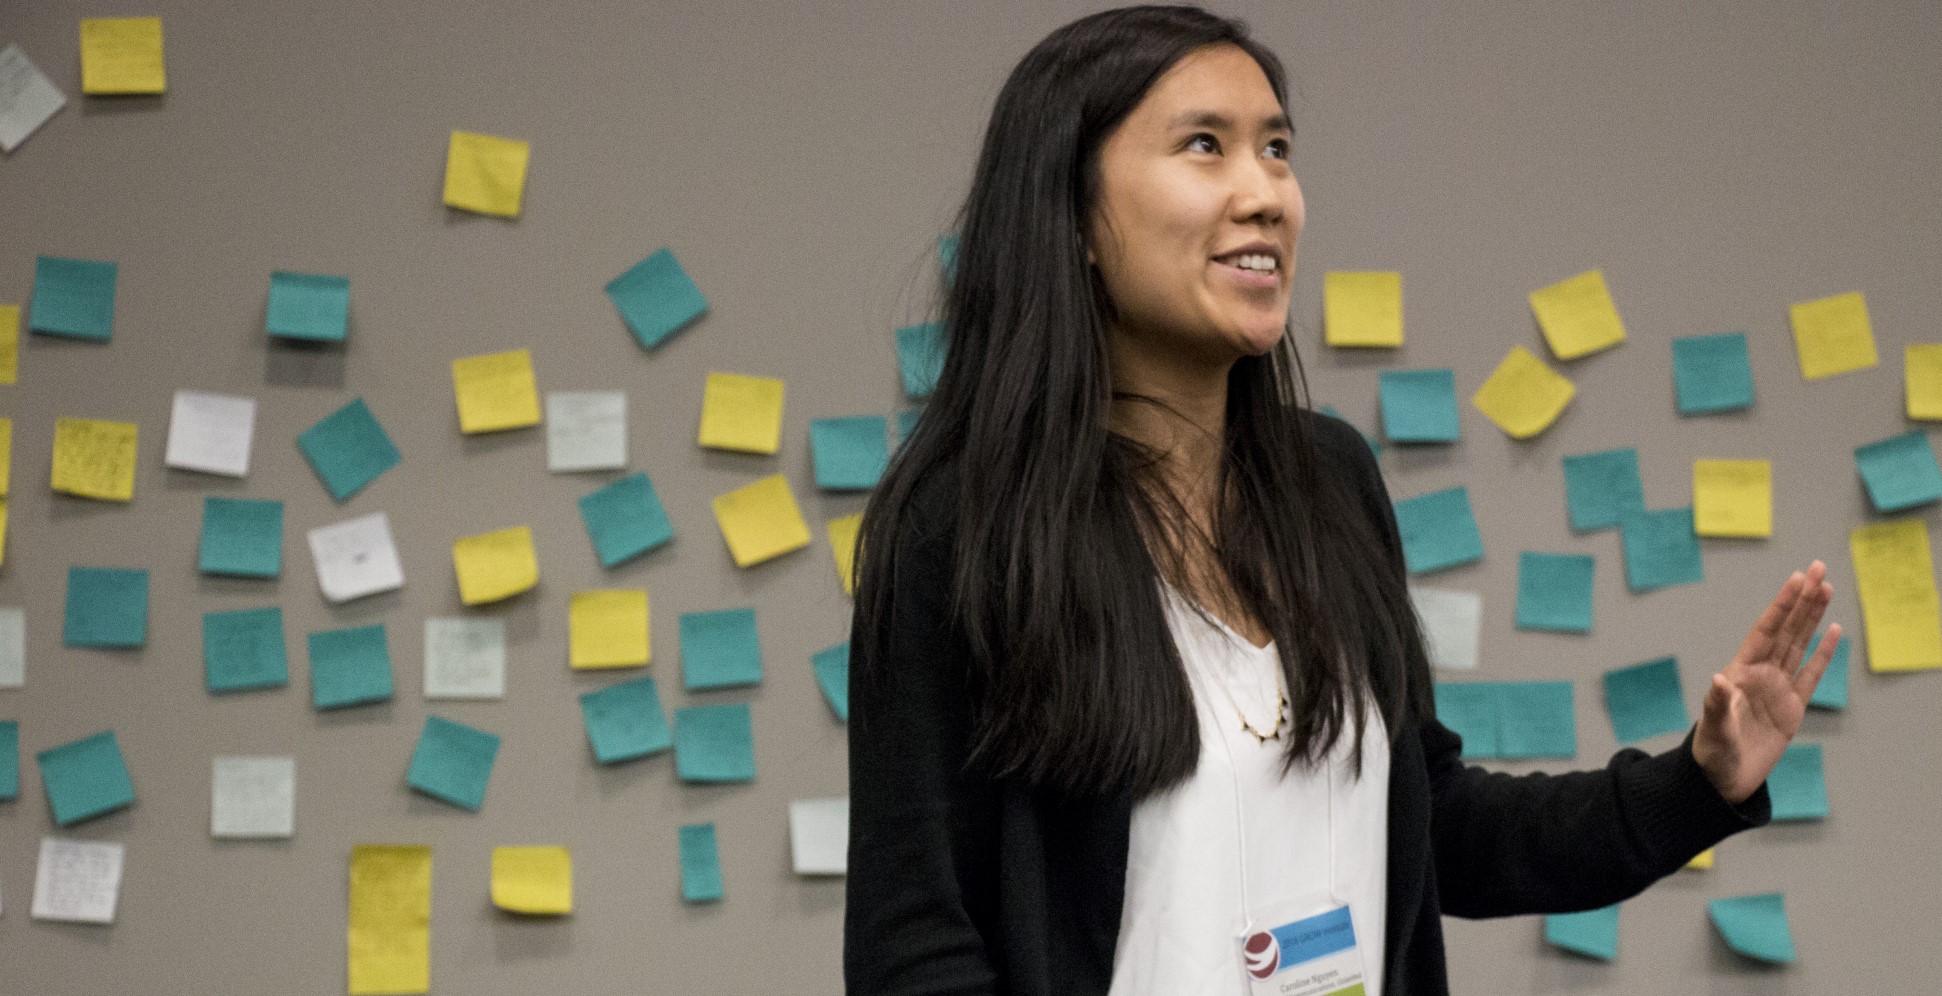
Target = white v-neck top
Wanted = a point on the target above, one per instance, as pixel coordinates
(1185, 909)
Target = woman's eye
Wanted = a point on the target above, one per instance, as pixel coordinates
(1278, 148)
(1203, 143)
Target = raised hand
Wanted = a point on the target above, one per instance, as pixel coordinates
(1756, 702)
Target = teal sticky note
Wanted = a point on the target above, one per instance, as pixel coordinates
(1755, 926)
(1798, 784)
(920, 357)
(349, 667)
(244, 650)
(9, 759)
(947, 254)
(1661, 550)
(453, 762)
(714, 744)
(1438, 530)
(1554, 591)
(1375, 446)
(1832, 692)
(701, 868)
(1420, 406)
(308, 306)
(1710, 373)
(1644, 700)
(1470, 710)
(850, 453)
(832, 666)
(106, 607)
(1593, 933)
(625, 519)
(720, 649)
(907, 423)
(73, 298)
(241, 537)
(655, 298)
(1536, 719)
(348, 449)
(85, 778)
(1900, 472)
(1603, 489)
(625, 721)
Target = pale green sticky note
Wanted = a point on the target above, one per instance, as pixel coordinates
(85, 778)
(714, 744)
(1592, 933)
(453, 762)
(701, 869)
(1755, 926)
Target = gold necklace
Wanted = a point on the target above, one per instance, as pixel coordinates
(1280, 720)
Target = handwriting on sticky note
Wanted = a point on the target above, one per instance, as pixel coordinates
(586, 430)
(1896, 578)
(390, 919)
(77, 881)
(94, 459)
(211, 433)
(465, 658)
(1733, 498)
(253, 797)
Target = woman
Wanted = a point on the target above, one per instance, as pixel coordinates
(1140, 705)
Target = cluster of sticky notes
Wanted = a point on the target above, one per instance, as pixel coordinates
(453, 762)
(465, 658)
(1833, 335)
(1755, 926)
(1603, 489)
(850, 453)
(495, 566)
(85, 778)
(349, 667)
(211, 433)
(625, 721)
(253, 797)
(760, 521)
(244, 650)
(495, 391)
(32, 98)
(586, 430)
(1895, 576)
(1922, 379)
(819, 836)
(1661, 549)
(714, 744)
(390, 919)
(1419, 406)
(122, 55)
(1523, 396)
(1900, 472)
(656, 298)
(1577, 315)
(1711, 373)
(1452, 623)
(1733, 498)
(106, 607)
(832, 667)
(77, 881)
(843, 543)
(720, 649)
(94, 458)
(1510, 719)
(1592, 933)
(486, 174)
(536, 881)
(348, 449)
(742, 413)
(701, 869)
(1644, 700)
(1362, 308)
(356, 557)
(1554, 591)
(309, 306)
(1798, 784)
(74, 298)
(608, 629)
(921, 350)
(625, 519)
(1438, 530)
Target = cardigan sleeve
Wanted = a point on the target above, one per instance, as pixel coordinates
(1506, 845)
(923, 842)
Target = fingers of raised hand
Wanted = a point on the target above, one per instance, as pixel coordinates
(1766, 632)
(1802, 617)
(1810, 673)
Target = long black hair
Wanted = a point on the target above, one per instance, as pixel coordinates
(1076, 682)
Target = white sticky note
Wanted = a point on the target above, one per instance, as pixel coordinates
(586, 430)
(77, 881)
(1452, 625)
(356, 558)
(465, 658)
(27, 97)
(819, 836)
(253, 797)
(211, 433)
(13, 647)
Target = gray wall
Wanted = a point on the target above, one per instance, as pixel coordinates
(1718, 161)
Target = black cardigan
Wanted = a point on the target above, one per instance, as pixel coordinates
(961, 884)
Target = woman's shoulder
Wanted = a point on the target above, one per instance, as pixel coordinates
(1339, 443)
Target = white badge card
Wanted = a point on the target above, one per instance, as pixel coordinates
(1312, 956)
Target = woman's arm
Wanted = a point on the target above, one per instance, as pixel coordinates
(923, 838)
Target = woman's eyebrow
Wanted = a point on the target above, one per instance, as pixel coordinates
(1216, 120)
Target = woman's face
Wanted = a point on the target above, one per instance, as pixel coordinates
(1194, 232)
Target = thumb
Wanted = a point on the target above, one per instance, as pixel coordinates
(1719, 700)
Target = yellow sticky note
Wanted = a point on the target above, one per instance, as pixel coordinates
(495, 565)
(486, 173)
(6, 457)
(761, 521)
(1362, 308)
(391, 915)
(1833, 335)
(122, 55)
(1702, 861)
(1896, 579)
(94, 459)
(842, 542)
(742, 413)
(1577, 315)
(536, 880)
(9, 344)
(1523, 396)
(496, 391)
(1923, 363)
(1733, 497)
(3, 530)
(608, 629)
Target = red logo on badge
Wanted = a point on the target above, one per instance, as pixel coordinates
(1263, 955)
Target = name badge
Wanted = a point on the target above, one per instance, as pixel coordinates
(1312, 956)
